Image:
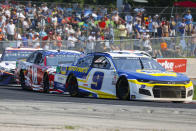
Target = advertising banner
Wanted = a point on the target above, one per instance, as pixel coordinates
(176, 65)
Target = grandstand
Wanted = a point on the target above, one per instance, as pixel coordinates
(89, 27)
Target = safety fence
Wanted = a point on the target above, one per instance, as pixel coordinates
(165, 47)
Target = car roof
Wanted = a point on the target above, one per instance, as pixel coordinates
(138, 52)
(12, 48)
(120, 54)
(61, 52)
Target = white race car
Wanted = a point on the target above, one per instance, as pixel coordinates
(129, 76)
(8, 62)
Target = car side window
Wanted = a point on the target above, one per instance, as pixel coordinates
(80, 62)
(101, 62)
(85, 62)
(32, 57)
(39, 58)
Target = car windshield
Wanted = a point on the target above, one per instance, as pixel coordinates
(54, 60)
(13, 55)
(133, 64)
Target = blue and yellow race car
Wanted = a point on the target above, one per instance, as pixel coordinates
(122, 75)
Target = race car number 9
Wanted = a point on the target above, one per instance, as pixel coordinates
(97, 80)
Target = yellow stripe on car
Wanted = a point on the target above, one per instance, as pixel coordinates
(83, 80)
(155, 84)
(157, 74)
(99, 93)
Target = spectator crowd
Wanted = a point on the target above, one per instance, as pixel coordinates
(51, 25)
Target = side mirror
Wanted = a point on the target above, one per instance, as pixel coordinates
(111, 68)
(154, 57)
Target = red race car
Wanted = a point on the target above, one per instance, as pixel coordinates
(37, 72)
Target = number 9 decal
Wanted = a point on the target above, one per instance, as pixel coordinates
(97, 80)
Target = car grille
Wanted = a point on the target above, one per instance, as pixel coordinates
(173, 82)
(169, 91)
(144, 92)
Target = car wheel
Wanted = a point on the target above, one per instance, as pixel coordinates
(22, 81)
(73, 86)
(46, 84)
(122, 89)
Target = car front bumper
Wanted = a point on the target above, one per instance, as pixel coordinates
(161, 92)
(7, 78)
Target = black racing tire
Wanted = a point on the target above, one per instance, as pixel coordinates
(122, 89)
(73, 86)
(46, 84)
(22, 81)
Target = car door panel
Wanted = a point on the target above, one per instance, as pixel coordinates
(101, 80)
(101, 76)
(37, 76)
(29, 73)
(83, 75)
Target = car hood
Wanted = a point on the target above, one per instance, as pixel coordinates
(154, 75)
(8, 65)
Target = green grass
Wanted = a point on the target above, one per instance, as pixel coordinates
(194, 97)
(69, 127)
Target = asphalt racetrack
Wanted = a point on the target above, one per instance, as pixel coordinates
(27, 110)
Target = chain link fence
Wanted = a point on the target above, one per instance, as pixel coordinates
(164, 47)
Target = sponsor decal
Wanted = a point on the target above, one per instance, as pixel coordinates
(176, 65)
(60, 78)
(85, 84)
(78, 69)
(114, 79)
(63, 70)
